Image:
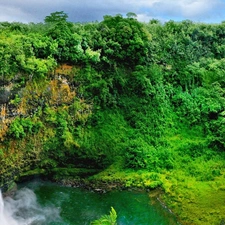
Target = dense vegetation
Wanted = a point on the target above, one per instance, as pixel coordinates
(144, 103)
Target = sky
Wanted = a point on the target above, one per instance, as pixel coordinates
(26, 11)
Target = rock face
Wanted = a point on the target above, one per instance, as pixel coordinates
(4, 96)
(29, 116)
(6, 92)
(7, 109)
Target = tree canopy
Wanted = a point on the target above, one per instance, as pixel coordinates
(56, 17)
(117, 95)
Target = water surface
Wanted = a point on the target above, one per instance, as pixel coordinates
(60, 205)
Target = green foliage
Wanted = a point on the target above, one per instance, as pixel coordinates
(140, 155)
(16, 100)
(203, 170)
(103, 139)
(150, 96)
(97, 86)
(122, 40)
(43, 47)
(218, 131)
(21, 127)
(137, 153)
(1, 153)
(69, 43)
(56, 17)
(92, 56)
(39, 67)
(131, 15)
(10, 49)
(195, 149)
(107, 219)
(62, 146)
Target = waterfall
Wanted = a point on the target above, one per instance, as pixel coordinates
(5, 217)
(23, 209)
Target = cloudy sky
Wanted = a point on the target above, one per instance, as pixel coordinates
(209, 11)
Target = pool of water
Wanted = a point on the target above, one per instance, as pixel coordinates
(52, 204)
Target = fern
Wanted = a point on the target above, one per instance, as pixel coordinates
(107, 219)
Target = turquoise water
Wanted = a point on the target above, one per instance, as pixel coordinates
(73, 206)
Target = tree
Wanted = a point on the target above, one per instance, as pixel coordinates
(56, 17)
(122, 40)
(131, 15)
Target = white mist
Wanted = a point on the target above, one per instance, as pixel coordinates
(5, 217)
(23, 209)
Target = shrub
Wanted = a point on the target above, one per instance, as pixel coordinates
(20, 127)
(141, 155)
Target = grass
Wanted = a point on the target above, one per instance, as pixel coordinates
(193, 202)
(194, 189)
(197, 202)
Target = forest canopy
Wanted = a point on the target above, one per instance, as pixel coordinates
(144, 96)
